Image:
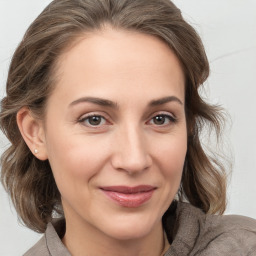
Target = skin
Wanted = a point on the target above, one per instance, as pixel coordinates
(127, 146)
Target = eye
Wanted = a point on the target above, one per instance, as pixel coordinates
(93, 120)
(162, 120)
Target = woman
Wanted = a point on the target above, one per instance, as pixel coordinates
(104, 116)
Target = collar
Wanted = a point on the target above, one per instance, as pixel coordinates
(181, 222)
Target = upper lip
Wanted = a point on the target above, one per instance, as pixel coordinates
(129, 190)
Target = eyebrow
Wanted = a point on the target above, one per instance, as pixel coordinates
(165, 100)
(114, 105)
(96, 101)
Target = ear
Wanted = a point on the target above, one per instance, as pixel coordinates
(32, 132)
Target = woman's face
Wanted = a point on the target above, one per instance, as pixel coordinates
(115, 132)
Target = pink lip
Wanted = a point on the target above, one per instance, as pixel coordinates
(131, 197)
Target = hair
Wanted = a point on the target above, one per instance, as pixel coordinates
(29, 181)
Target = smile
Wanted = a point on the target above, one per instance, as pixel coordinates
(130, 197)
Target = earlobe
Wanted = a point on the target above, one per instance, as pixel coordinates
(32, 132)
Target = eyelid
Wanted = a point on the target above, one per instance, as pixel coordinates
(82, 119)
(173, 119)
(164, 113)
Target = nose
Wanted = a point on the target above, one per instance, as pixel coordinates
(131, 153)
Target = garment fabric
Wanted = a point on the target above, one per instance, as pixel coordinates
(190, 232)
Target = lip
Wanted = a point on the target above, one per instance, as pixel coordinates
(130, 197)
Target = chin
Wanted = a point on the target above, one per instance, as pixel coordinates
(129, 234)
(130, 229)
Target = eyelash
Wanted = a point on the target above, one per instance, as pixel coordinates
(171, 118)
(86, 118)
(166, 116)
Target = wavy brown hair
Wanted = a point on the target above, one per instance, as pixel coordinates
(31, 79)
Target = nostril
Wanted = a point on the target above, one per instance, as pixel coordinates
(131, 165)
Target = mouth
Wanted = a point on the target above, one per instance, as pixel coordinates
(130, 197)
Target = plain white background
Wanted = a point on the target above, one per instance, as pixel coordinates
(228, 30)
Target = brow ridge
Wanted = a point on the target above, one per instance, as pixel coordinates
(165, 100)
(97, 101)
(111, 104)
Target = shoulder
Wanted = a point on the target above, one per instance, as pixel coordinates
(192, 232)
(228, 235)
(38, 249)
(50, 243)
(225, 235)
(231, 223)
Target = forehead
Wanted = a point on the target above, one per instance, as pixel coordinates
(107, 58)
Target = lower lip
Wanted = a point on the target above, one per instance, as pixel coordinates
(130, 200)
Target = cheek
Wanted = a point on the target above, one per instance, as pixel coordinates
(74, 160)
(171, 157)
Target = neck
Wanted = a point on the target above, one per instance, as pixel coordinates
(82, 239)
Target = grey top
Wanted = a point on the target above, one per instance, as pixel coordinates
(190, 233)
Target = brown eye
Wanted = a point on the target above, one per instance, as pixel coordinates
(94, 120)
(162, 120)
(159, 120)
